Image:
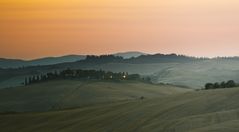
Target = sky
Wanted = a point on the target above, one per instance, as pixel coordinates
(39, 28)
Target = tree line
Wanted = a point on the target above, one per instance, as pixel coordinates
(103, 58)
(82, 74)
(228, 84)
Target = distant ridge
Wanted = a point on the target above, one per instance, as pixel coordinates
(162, 68)
(15, 63)
(130, 54)
(127, 57)
(163, 58)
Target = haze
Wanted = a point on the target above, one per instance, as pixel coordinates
(31, 29)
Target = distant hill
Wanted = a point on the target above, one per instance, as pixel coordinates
(162, 68)
(11, 63)
(142, 59)
(131, 54)
(127, 57)
(163, 58)
(57, 60)
(15, 63)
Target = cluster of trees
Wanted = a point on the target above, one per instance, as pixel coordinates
(103, 58)
(163, 58)
(228, 84)
(82, 74)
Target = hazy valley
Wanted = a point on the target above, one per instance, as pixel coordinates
(168, 69)
(172, 98)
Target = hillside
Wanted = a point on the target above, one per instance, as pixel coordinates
(15, 63)
(130, 54)
(196, 111)
(64, 94)
(172, 69)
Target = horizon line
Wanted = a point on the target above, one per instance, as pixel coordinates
(120, 52)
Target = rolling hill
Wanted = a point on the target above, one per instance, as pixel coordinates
(130, 54)
(194, 111)
(173, 69)
(62, 94)
(15, 63)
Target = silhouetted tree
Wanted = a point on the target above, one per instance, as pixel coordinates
(216, 85)
(26, 81)
(82, 74)
(223, 85)
(50, 75)
(37, 78)
(230, 84)
(30, 80)
(209, 86)
(34, 80)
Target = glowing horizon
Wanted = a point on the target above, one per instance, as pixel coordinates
(41, 28)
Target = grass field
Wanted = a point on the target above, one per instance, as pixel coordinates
(164, 109)
(64, 94)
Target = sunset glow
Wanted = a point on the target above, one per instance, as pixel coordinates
(39, 28)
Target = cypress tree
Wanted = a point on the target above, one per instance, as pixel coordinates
(25, 82)
(38, 78)
(29, 80)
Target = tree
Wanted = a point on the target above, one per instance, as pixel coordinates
(25, 83)
(50, 75)
(34, 79)
(230, 84)
(37, 78)
(30, 80)
(209, 86)
(223, 85)
(82, 74)
(216, 85)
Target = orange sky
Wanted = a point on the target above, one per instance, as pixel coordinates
(38, 28)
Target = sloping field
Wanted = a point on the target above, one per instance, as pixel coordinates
(196, 111)
(62, 94)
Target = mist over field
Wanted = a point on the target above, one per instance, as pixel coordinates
(169, 69)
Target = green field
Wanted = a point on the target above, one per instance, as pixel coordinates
(116, 106)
